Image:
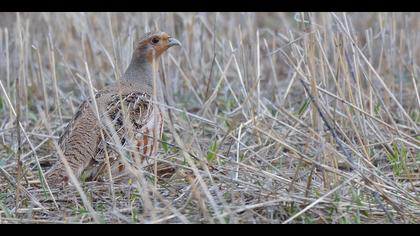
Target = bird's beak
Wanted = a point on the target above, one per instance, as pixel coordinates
(173, 42)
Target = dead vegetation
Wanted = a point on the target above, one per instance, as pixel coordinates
(269, 117)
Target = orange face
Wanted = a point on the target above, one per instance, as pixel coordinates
(156, 44)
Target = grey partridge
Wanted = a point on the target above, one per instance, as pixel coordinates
(128, 108)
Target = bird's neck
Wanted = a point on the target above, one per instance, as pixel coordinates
(141, 71)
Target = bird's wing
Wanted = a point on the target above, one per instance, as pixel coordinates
(78, 142)
(70, 126)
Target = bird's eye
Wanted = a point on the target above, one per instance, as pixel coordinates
(155, 40)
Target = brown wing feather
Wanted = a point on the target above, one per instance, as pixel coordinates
(78, 144)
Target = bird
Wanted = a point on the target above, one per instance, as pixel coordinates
(125, 113)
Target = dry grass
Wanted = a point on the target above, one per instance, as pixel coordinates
(270, 117)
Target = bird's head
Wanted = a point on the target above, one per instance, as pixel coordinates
(153, 45)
